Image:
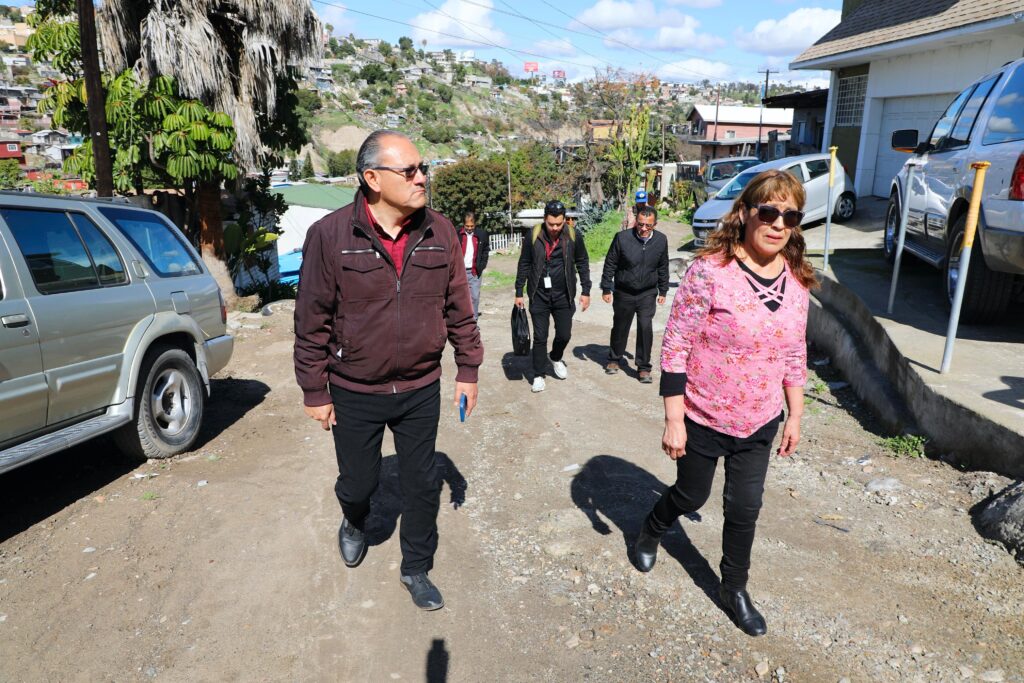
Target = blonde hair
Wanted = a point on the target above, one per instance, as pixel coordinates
(766, 186)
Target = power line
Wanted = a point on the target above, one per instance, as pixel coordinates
(541, 26)
(451, 35)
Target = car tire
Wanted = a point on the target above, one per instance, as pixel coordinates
(988, 293)
(169, 403)
(845, 207)
(891, 232)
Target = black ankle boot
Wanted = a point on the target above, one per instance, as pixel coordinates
(740, 607)
(646, 550)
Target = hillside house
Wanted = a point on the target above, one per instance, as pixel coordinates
(808, 119)
(11, 149)
(724, 131)
(898, 64)
(479, 81)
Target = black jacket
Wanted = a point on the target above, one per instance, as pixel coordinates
(633, 267)
(481, 248)
(531, 264)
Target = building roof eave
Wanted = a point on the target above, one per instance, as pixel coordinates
(893, 48)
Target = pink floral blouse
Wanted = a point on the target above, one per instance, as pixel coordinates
(736, 353)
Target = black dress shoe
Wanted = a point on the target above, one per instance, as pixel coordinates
(425, 594)
(740, 607)
(646, 550)
(352, 543)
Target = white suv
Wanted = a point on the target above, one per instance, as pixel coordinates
(984, 123)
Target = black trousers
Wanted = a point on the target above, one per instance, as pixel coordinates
(542, 309)
(625, 307)
(746, 466)
(412, 417)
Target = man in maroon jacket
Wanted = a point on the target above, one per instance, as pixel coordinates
(383, 283)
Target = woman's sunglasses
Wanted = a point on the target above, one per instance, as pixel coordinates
(766, 213)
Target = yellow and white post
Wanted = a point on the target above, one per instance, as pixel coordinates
(980, 168)
(902, 234)
(829, 206)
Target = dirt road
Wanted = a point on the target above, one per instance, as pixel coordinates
(222, 565)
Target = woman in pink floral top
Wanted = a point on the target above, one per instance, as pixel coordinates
(734, 349)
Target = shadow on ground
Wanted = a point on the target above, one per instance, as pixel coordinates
(42, 488)
(230, 399)
(598, 353)
(616, 489)
(386, 503)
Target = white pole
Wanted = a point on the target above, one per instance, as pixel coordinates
(904, 212)
(829, 207)
(980, 168)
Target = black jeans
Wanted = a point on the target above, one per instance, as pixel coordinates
(746, 466)
(625, 306)
(412, 417)
(541, 308)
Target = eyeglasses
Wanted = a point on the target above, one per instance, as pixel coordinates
(768, 214)
(645, 226)
(408, 171)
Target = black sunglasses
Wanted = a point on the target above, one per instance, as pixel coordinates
(408, 171)
(554, 208)
(766, 213)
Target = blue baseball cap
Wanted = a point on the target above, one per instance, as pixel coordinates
(641, 196)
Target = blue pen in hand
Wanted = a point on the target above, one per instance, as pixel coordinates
(462, 408)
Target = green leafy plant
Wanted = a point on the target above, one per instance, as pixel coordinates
(905, 445)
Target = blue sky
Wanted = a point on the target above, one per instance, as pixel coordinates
(677, 40)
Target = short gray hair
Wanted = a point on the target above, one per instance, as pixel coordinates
(369, 152)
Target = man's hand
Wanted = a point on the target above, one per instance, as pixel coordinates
(584, 302)
(607, 298)
(661, 301)
(470, 390)
(322, 414)
(790, 436)
(519, 302)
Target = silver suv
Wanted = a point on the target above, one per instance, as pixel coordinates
(984, 123)
(109, 322)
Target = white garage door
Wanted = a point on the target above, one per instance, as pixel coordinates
(904, 112)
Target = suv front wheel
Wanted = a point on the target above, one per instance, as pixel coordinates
(988, 292)
(169, 403)
(892, 228)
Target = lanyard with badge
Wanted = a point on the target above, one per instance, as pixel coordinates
(548, 250)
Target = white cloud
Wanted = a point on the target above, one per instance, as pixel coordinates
(698, 4)
(680, 33)
(791, 34)
(693, 70)
(337, 18)
(623, 39)
(470, 24)
(561, 47)
(617, 14)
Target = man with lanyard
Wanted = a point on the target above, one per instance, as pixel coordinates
(475, 250)
(636, 270)
(640, 201)
(549, 261)
(365, 360)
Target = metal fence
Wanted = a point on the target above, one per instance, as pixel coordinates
(506, 241)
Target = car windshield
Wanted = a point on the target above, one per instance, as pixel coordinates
(729, 169)
(735, 186)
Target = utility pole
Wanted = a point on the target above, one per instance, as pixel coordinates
(760, 118)
(94, 93)
(662, 144)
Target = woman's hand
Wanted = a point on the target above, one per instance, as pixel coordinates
(673, 441)
(790, 436)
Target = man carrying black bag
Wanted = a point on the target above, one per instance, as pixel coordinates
(549, 262)
(520, 332)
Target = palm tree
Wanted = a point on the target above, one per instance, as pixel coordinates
(240, 57)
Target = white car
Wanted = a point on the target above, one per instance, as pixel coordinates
(810, 169)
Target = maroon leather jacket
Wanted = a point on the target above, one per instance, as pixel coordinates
(360, 327)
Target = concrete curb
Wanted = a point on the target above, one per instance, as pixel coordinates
(882, 377)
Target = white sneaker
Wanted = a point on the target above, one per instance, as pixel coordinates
(538, 385)
(561, 372)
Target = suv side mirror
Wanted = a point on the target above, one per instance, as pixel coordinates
(904, 140)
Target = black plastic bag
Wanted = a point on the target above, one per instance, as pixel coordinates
(520, 332)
